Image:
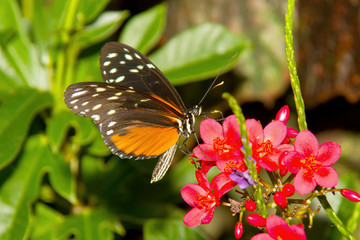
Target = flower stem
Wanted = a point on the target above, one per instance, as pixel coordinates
(300, 107)
(294, 79)
(251, 165)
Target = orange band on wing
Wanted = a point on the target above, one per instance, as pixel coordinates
(147, 141)
(166, 103)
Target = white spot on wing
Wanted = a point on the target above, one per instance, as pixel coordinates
(150, 65)
(137, 56)
(111, 55)
(84, 103)
(119, 79)
(113, 70)
(134, 70)
(128, 56)
(122, 62)
(111, 124)
(74, 101)
(100, 89)
(110, 132)
(76, 94)
(106, 63)
(95, 95)
(118, 93)
(95, 117)
(140, 67)
(126, 50)
(111, 112)
(130, 91)
(113, 98)
(97, 107)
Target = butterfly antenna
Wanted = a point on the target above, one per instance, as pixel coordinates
(214, 81)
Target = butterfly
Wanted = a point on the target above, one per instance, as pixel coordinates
(136, 109)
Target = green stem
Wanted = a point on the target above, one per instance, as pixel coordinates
(334, 218)
(294, 79)
(63, 55)
(247, 153)
(300, 107)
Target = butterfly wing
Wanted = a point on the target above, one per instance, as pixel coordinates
(132, 124)
(124, 65)
(137, 110)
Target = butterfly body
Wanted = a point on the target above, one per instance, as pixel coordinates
(137, 110)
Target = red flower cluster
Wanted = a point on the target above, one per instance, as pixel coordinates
(274, 148)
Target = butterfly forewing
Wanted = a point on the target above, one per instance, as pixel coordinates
(124, 65)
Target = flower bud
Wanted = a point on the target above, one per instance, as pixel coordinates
(350, 194)
(250, 205)
(256, 220)
(288, 190)
(283, 114)
(291, 132)
(239, 230)
(280, 199)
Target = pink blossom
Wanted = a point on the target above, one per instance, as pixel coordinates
(312, 163)
(267, 143)
(277, 228)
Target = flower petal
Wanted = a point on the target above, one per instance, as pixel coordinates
(210, 129)
(208, 217)
(190, 191)
(202, 180)
(223, 183)
(326, 177)
(303, 184)
(195, 217)
(299, 231)
(329, 153)
(306, 143)
(231, 129)
(262, 236)
(255, 131)
(292, 161)
(275, 225)
(275, 132)
(210, 154)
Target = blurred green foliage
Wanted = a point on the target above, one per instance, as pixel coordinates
(57, 178)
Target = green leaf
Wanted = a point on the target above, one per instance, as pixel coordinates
(61, 178)
(88, 68)
(198, 53)
(45, 220)
(59, 125)
(16, 113)
(144, 30)
(19, 53)
(170, 229)
(98, 147)
(21, 188)
(90, 224)
(104, 26)
(90, 9)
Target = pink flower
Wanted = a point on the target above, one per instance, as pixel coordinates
(277, 228)
(266, 144)
(221, 143)
(203, 198)
(311, 163)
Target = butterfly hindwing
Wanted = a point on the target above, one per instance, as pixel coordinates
(130, 124)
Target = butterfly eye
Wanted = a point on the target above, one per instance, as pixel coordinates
(196, 110)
